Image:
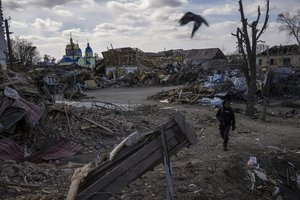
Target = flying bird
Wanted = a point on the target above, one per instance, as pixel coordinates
(198, 20)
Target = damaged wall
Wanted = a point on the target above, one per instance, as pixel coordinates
(122, 56)
(287, 55)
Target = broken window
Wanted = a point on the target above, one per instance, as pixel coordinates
(272, 62)
(286, 61)
(260, 61)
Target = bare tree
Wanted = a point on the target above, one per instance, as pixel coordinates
(290, 24)
(24, 52)
(47, 61)
(247, 47)
(261, 47)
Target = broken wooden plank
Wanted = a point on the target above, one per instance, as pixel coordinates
(185, 128)
(110, 177)
(121, 157)
(134, 172)
(91, 121)
(10, 83)
(115, 173)
(95, 123)
(78, 175)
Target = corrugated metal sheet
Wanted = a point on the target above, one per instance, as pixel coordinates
(62, 149)
(9, 150)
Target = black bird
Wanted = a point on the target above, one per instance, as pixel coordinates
(198, 20)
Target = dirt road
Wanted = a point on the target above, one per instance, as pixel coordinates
(125, 95)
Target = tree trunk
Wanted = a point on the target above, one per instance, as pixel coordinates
(248, 50)
(251, 90)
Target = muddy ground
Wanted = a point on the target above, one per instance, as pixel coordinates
(205, 171)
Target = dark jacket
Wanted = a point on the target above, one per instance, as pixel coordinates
(226, 117)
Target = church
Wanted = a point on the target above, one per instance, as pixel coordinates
(73, 51)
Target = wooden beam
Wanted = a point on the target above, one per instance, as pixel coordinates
(112, 175)
(78, 175)
(10, 83)
(132, 173)
(93, 122)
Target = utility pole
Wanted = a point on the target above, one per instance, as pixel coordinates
(8, 41)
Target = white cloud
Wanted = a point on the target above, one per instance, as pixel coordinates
(132, 18)
(225, 26)
(47, 25)
(88, 4)
(136, 5)
(109, 29)
(125, 6)
(16, 24)
(167, 3)
(33, 38)
(272, 36)
(165, 16)
(64, 13)
(226, 9)
(105, 26)
(74, 31)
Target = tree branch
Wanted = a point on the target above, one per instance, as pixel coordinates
(258, 14)
(291, 26)
(244, 30)
(266, 21)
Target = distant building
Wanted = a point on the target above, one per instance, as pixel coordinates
(122, 56)
(235, 61)
(280, 56)
(208, 59)
(3, 44)
(121, 61)
(74, 55)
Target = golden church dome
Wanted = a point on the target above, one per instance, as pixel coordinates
(69, 46)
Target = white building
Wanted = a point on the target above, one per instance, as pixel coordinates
(73, 51)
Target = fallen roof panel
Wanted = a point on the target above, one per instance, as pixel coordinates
(133, 161)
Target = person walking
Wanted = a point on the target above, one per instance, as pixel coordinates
(226, 117)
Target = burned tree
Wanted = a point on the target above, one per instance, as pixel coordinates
(247, 43)
(290, 24)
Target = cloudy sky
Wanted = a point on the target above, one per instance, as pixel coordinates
(151, 25)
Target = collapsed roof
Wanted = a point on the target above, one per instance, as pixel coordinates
(282, 50)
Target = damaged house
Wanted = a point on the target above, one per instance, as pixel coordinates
(280, 56)
(123, 61)
(283, 75)
(209, 59)
(122, 56)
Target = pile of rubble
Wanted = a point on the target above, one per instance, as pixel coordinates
(35, 133)
(187, 94)
(202, 91)
(283, 82)
(28, 181)
(276, 174)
